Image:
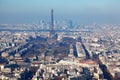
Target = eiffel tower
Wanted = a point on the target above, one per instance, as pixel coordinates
(52, 36)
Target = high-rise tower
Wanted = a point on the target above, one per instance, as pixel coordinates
(52, 20)
(52, 32)
(52, 36)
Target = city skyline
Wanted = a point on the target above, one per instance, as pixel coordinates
(59, 40)
(79, 11)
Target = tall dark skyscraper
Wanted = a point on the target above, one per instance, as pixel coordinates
(52, 36)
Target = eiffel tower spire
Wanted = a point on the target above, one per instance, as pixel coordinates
(52, 32)
(52, 36)
(52, 20)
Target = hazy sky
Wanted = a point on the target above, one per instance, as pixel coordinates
(82, 11)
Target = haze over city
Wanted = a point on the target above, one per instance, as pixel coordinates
(59, 40)
(79, 11)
